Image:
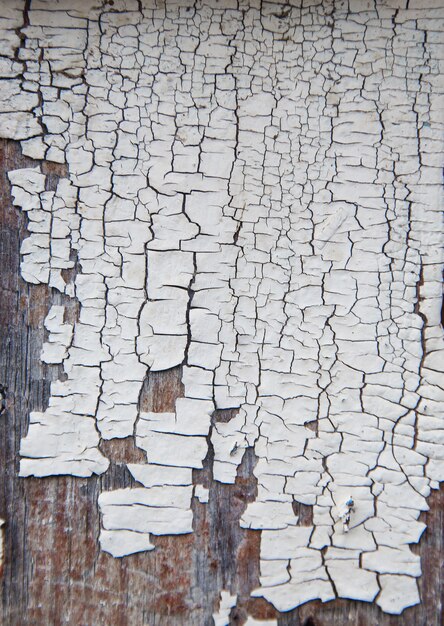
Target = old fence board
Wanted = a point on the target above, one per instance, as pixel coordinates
(54, 572)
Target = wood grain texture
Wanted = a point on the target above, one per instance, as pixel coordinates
(54, 572)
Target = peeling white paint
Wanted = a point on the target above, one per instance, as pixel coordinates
(202, 494)
(260, 622)
(254, 192)
(122, 542)
(226, 603)
(55, 350)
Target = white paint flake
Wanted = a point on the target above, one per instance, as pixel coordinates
(260, 622)
(202, 494)
(55, 350)
(254, 193)
(226, 603)
(122, 542)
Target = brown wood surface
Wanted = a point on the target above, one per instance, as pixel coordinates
(54, 572)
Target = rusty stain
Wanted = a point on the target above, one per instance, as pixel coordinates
(122, 450)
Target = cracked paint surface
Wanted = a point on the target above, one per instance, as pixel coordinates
(253, 192)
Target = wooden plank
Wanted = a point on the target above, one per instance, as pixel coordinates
(54, 572)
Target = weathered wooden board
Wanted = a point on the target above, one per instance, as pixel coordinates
(54, 572)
